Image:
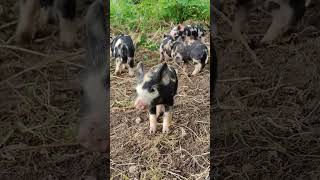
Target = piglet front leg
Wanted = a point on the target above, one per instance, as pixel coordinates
(27, 18)
(152, 120)
(197, 68)
(153, 123)
(240, 19)
(67, 21)
(281, 19)
(160, 110)
(167, 118)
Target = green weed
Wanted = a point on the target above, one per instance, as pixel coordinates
(151, 15)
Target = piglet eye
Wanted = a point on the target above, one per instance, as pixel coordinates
(152, 89)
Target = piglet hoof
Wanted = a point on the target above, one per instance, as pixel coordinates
(131, 73)
(193, 74)
(117, 73)
(165, 129)
(266, 41)
(152, 129)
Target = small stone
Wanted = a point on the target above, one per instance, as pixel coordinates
(133, 169)
(183, 132)
(138, 120)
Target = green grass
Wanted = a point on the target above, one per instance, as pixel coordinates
(151, 15)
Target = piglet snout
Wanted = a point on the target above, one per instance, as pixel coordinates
(139, 104)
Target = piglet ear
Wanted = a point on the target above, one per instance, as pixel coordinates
(180, 27)
(162, 70)
(140, 71)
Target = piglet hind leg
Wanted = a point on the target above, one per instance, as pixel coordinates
(152, 120)
(123, 67)
(67, 21)
(131, 66)
(162, 57)
(167, 118)
(47, 13)
(280, 23)
(160, 110)
(240, 18)
(29, 9)
(118, 66)
(197, 68)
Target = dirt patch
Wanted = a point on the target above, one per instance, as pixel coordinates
(40, 100)
(184, 152)
(268, 122)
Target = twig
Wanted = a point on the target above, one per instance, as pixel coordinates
(5, 139)
(40, 65)
(24, 50)
(18, 93)
(8, 24)
(183, 72)
(235, 79)
(313, 110)
(194, 159)
(27, 148)
(258, 92)
(175, 174)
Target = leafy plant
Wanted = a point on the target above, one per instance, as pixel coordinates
(149, 16)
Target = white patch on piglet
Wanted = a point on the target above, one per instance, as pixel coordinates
(144, 96)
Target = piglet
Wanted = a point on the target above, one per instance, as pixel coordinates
(194, 51)
(188, 32)
(122, 49)
(155, 91)
(93, 130)
(165, 47)
(285, 13)
(65, 10)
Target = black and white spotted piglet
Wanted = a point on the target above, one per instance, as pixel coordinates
(195, 51)
(165, 47)
(122, 49)
(155, 91)
(189, 32)
(93, 128)
(65, 10)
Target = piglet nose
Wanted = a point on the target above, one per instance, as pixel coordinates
(140, 105)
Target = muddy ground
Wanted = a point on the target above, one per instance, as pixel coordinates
(40, 96)
(184, 152)
(268, 123)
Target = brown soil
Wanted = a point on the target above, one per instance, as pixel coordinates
(268, 124)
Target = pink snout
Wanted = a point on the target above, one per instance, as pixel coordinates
(139, 104)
